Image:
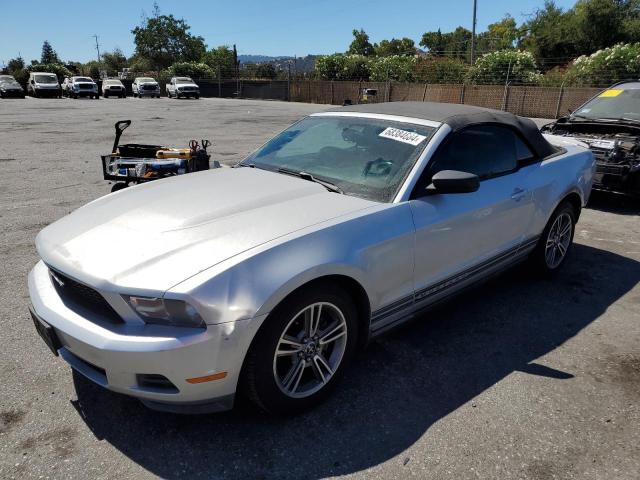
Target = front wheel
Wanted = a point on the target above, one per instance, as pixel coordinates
(302, 350)
(556, 240)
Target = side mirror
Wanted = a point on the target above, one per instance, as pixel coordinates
(453, 181)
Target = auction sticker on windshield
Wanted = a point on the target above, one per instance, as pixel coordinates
(404, 136)
(612, 92)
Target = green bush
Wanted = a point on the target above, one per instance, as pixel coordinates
(606, 66)
(190, 69)
(432, 69)
(60, 70)
(516, 66)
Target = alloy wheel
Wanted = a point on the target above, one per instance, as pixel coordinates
(310, 350)
(558, 240)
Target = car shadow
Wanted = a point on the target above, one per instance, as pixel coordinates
(614, 203)
(397, 389)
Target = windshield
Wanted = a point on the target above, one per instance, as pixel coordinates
(46, 79)
(367, 158)
(146, 79)
(82, 79)
(184, 80)
(112, 82)
(7, 79)
(614, 103)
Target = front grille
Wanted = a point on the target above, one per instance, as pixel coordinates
(188, 89)
(149, 87)
(611, 169)
(75, 294)
(86, 86)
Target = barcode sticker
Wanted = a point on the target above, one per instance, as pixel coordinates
(403, 136)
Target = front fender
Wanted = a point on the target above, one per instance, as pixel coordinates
(374, 249)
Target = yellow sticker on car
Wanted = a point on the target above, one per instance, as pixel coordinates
(614, 92)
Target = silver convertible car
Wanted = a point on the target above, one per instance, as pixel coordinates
(265, 279)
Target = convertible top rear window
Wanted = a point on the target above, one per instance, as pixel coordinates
(364, 157)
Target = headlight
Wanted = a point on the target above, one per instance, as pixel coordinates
(162, 311)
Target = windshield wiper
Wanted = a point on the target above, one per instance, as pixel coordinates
(307, 176)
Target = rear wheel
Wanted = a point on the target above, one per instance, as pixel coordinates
(556, 240)
(302, 350)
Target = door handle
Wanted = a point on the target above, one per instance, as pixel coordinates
(518, 194)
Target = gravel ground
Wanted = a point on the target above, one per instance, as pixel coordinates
(521, 378)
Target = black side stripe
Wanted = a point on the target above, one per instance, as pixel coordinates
(431, 290)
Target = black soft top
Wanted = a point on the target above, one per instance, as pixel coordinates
(458, 117)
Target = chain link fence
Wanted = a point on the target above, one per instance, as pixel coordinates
(525, 100)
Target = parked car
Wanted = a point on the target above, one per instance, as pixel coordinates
(145, 87)
(266, 278)
(43, 84)
(9, 88)
(113, 87)
(182, 87)
(610, 124)
(76, 87)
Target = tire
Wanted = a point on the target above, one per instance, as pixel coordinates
(554, 245)
(118, 186)
(197, 97)
(105, 95)
(304, 374)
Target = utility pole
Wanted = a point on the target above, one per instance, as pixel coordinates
(97, 46)
(473, 33)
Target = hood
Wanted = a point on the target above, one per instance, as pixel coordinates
(153, 236)
(10, 86)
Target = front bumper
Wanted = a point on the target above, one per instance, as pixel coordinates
(115, 356)
(84, 93)
(617, 178)
(12, 93)
(188, 94)
(148, 93)
(48, 92)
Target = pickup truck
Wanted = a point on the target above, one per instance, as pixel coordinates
(182, 87)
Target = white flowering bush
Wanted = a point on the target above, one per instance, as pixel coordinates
(342, 67)
(606, 66)
(399, 68)
(515, 66)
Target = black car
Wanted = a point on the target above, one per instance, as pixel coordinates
(9, 88)
(610, 124)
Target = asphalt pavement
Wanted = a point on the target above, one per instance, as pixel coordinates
(522, 378)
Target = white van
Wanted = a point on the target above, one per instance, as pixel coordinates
(43, 84)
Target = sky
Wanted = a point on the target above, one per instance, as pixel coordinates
(266, 27)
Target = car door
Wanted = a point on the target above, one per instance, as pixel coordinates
(462, 236)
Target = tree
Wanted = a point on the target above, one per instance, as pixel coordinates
(114, 61)
(165, 40)
(454, 44)
(15, 64)
(266, 70)
(499, 36)
(220, 58)
(435, 42)
(387, 48)
(360, 44)
(48, 55)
